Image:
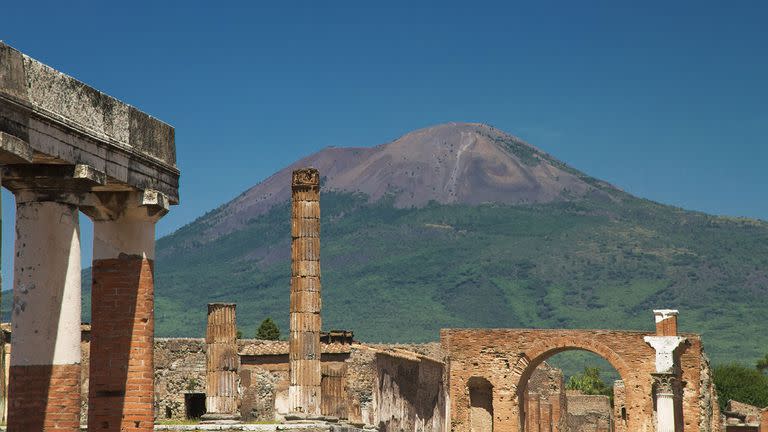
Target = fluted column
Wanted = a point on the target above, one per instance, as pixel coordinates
(222, 362)
(305, 323)
(665, 402)
(44, 381)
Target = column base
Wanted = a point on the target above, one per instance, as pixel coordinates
(219, 418)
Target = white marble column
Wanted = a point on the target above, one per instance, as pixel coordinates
(665, 402)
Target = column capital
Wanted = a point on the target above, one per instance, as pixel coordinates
(51, 182)
(137, 206)
(665, 383)
(665, 347)
(305, 178)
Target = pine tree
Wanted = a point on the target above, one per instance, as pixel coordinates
(268, 330)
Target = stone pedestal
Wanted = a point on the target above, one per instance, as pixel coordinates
(222, 362)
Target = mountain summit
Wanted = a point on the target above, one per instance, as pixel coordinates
(453, 163)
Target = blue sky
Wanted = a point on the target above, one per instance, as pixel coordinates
(667, 100)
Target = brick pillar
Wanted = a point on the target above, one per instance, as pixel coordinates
(533, 413)
(764, 420)
(305, 323)
(619, 406)
(222, 362)
(121, 379)
(44, 381)
(545, 425)
(666, 322)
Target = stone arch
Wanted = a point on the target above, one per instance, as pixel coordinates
(540, 351)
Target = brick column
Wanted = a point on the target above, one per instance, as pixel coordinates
(666, 322)
(305, 323)
(533, 413)
(545, 425)
(222, 362)
(121, 383)
(44, 381)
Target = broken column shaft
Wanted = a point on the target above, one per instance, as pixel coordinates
(222, 362)
(305, 322)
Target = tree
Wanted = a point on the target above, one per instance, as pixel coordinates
(742, 383)
(589, 382)
(762, 364)
(268, 330)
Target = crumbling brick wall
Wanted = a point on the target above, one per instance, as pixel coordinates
(588, 413)
(507, 357)
(549, 384)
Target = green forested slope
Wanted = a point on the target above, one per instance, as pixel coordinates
(401, 274)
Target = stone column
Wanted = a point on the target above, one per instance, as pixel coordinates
(222, 362)
(665, 343)
(665, 402)
(121, 383)
(305, 323)
(44, 381)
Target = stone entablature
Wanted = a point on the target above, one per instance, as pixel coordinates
(65, 121)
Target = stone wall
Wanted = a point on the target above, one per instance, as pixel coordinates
(410, 395)
(179, 370)
(588, 413)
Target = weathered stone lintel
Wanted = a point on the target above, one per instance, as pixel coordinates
(65, 120)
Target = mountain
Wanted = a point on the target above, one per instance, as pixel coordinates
(462, 225)
(456, 163)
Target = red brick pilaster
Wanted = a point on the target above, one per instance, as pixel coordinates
(122, 331)
(45, 398)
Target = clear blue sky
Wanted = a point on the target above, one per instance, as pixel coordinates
(668, 100)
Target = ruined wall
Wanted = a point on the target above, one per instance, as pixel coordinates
(589, 413)
(179, 370)
(549, 384)
(361, 381)
(507, 357)
(410, 394)
(619, 407)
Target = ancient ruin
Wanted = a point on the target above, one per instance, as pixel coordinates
(221, 363)
(305, 321)
(67, 148)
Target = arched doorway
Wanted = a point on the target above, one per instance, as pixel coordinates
(572, 391)
(529, 406)
(481, 404)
